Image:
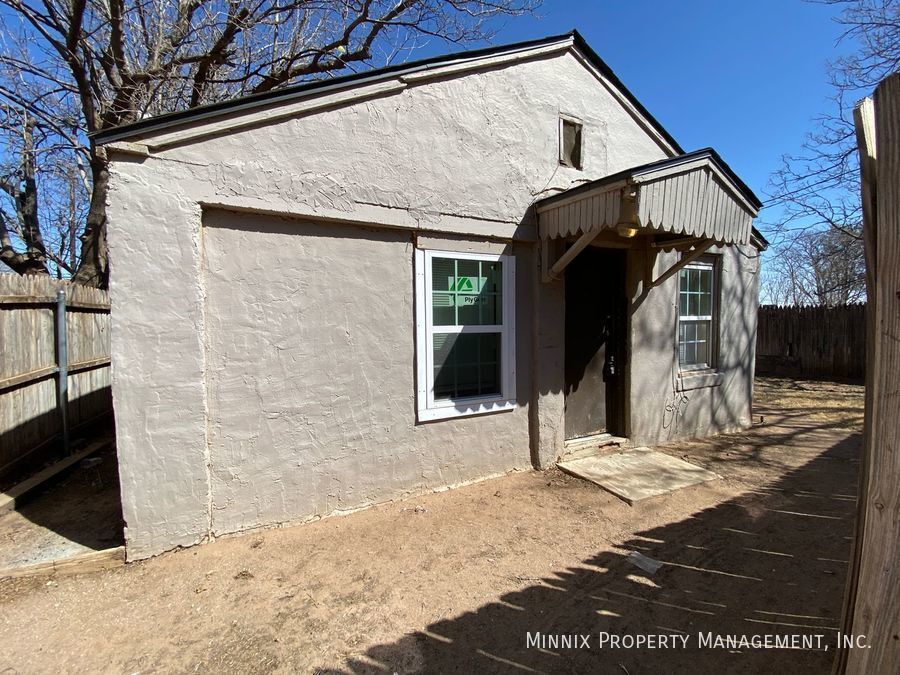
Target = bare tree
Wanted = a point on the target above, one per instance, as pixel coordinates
(820, 267)
(80, 66)
(819, 187)
(20, 188)
(43, 195)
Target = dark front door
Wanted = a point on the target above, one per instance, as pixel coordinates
(595, 332)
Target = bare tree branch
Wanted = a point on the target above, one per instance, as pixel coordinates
(79, 66)
(818, 188)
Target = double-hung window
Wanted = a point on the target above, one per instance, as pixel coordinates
(465, 317)
(697, 330)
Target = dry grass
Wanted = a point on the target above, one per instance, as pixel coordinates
(836, 404)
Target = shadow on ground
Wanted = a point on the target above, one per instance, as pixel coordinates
(772, 561)
(78, 511)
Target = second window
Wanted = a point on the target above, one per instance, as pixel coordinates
(696, 316)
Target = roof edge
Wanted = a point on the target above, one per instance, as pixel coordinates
(336, 84)
(312, 87)
(684, 158)
(601, 65)
(758, 240)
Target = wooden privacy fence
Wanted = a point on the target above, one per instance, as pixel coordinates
(872, 603)
(815, 342)
(54, 363)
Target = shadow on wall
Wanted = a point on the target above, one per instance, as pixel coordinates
(771, 561)
(678, 413)
(36, 438)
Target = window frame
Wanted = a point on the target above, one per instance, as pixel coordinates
(427, 409)
(710, 264)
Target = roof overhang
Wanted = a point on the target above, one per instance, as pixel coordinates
(695, 195)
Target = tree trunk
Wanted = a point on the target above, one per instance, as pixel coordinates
(25, 195)
(94, 267)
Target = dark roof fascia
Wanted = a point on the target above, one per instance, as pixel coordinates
(758, 240)
(742, 187)
(304, 89)
(299, 91)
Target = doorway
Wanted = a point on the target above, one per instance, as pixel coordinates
(595, 357)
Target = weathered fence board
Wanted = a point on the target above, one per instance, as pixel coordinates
(815, 342)
(29, 412)
(872, 603)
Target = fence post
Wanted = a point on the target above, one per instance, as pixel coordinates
(872, 604)
(62, 365)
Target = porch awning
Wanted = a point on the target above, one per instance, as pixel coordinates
(693, 195)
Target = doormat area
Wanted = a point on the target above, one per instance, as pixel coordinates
(637, 474)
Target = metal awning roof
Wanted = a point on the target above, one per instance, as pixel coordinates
(694, 195)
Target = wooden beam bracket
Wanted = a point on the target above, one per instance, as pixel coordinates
(701, 247)
(554, 272)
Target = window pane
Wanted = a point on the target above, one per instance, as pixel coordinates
(483, 309)
(468, 309)
(693, 304)
(466, 292)
(443, 309)
(702, 353)
(705, 304)
(491, 309)
(690, 353)
(703, 330)
(467, 381)
(490, 379)
(466, 364)
(468, 273)
(705, 281)
(492, 272)
(682, 280)
(443, 274)
(683, 303)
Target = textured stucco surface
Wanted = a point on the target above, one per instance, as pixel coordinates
(658, 410)
(258, 376)
(311, 373)
(480, 146)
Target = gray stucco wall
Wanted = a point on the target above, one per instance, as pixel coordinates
(311, 375)
(211, 440)
(658, 410)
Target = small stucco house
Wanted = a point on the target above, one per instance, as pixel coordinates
(353, 290)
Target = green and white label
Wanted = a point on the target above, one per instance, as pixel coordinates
(466, 284)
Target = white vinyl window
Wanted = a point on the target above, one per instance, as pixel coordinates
(697, 328)
(465, 334)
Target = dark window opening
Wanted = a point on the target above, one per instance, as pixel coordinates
(570, 143)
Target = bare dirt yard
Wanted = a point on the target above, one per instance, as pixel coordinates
(455, 581)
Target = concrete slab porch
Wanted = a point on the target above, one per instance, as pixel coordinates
(636, 474)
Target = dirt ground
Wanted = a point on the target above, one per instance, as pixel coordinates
(77, 512)
(455, 581)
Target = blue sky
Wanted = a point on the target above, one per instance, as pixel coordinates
(746, 78)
